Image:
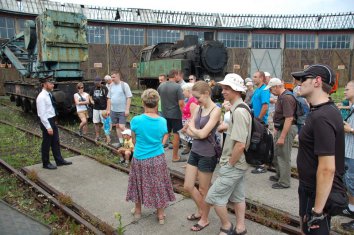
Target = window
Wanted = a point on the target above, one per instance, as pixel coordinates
(300, 41)
(266, 41)
(126, 36)
(200, 35)
(7, 27)
(96, 34)
(155, 36)
(233, 39)
(333, 41)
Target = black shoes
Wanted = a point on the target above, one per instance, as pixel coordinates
(273, 178)
(64, 163)
(347, 212)
(279, 186)
(259, 170)
(49, 166)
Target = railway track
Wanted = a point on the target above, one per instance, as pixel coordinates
(257, 212)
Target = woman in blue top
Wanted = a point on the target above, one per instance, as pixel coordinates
(149, 180)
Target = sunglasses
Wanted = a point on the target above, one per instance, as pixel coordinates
(305, 78)
(81, 87)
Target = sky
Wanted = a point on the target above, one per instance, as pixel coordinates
(266, 7)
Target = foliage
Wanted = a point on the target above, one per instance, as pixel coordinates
(120, 228)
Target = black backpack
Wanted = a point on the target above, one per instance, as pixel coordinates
(261, 149)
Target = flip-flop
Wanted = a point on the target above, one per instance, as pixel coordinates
(193, 217)
(199, 227)
(241, 233)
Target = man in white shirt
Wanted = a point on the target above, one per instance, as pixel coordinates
(46, 112)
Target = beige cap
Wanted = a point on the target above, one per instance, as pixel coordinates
(273, 82)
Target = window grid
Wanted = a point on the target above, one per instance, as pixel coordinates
(200, 35)
(96, 34)
(126, 36)
(7, 27)
(334, 41)
(238, 40)
(300, 41)
(155, 36)
(271, 41)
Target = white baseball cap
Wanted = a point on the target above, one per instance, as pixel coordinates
(235, 81)
(248, 80)
(107, 77)
(127, 132)
(266, 74)
(249, 84)
(273, 82)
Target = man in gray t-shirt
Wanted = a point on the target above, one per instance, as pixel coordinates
(118, 103)
(172, 103)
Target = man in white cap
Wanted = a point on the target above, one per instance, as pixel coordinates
(108, 80)
(229, 186)
(284, 133)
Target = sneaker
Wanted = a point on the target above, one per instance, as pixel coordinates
(79, 132)
(273, 178)
(279, 186)
(347, 212)
(259, 170)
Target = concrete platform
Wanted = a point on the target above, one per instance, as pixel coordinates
(101, 190)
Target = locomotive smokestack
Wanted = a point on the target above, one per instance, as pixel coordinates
(208, 36)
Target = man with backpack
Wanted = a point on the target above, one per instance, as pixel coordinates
(98, 97)
(229, 186)
(118, 104)
(260, 104)
(284, 133)
(320, 159)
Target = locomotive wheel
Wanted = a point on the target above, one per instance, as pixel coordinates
(26, 105)
(33, 107)
(18, 101)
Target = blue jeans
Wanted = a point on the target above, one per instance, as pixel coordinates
(349, 175)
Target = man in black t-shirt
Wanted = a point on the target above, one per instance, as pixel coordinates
(98, 97)
(320, 159)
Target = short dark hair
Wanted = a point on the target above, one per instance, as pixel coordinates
(172, 73)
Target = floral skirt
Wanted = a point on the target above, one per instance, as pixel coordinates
(150, 183)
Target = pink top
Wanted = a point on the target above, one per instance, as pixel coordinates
(187, 110)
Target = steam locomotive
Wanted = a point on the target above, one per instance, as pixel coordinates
(53, 45)
(204, 60)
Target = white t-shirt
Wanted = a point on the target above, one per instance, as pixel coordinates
(81, 107)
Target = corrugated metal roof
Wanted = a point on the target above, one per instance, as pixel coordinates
(161, 17)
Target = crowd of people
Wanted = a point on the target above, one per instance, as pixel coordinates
(196, 113)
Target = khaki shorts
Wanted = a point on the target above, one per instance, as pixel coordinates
(230, 185)
(83, 114)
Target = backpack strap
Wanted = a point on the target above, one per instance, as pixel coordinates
(82, 99)
(242, 105)
(350, 114)
(123, 88)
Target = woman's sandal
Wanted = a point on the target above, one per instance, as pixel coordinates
(136, 216)
(229, 231)
(241, 233)
(193, 217)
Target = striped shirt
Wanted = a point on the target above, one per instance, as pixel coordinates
(349, 138)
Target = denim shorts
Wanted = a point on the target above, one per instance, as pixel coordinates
(118, 117)
(349, 175)
(204, 164)
(229, 186)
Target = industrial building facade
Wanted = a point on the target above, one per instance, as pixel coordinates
(278, 44)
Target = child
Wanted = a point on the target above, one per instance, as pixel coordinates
(107, 125)
(128, 147)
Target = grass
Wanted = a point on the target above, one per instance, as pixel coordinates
(20, 149)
